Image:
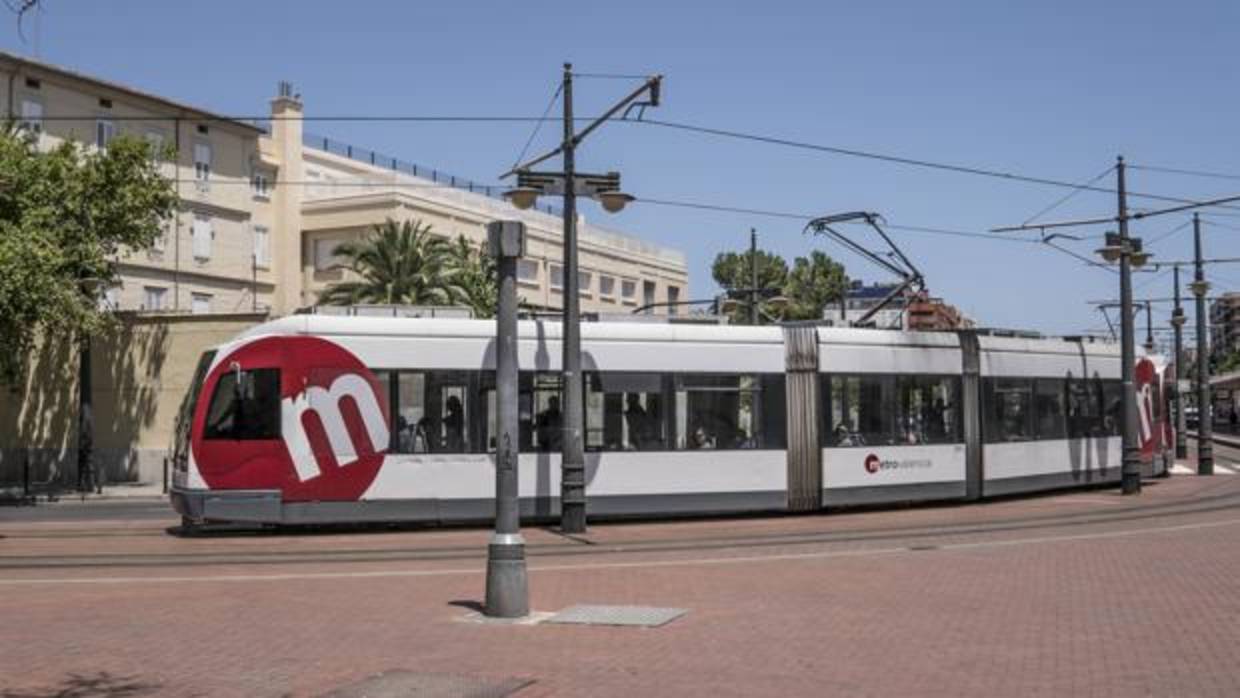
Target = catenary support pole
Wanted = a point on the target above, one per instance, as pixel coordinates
(507, 593)
(1177, 322)
(1205, 412)
(572, 464)
(1130, 470)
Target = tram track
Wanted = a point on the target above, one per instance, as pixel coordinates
(915, 536)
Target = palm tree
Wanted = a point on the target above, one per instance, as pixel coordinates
(476, 276)
(397, 263)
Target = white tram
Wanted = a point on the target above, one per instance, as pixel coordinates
(332, 419)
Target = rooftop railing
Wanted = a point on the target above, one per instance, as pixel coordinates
(589, 231)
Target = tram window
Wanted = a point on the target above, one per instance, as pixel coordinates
(541, 415)
(1010, 410)
(858, 417)
(722, 412)
(1084, 407)
(871, 410)
(248, 412)
(1112, 407)
(625, 412)
(1048, 401)
(433, 411)
(928, 413)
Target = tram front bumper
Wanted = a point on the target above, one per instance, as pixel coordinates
(253, 506)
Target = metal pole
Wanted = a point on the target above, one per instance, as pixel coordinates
(1149, 327)
(753, 276)
(1130, 470)
(507, 594)
(573, 461)
(86, 420)
(1205, 417)
(1177, 322)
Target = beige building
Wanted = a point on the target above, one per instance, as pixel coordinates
(262, 208)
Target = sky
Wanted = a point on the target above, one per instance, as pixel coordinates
(1052, 89)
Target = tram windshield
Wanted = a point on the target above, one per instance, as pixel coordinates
(245, 406)
(185, 415)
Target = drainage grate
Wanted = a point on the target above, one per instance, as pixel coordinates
(646, 616)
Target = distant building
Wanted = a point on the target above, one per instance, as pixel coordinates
(859, 301)
(911, 312)
(930, 314)
(1225, 325)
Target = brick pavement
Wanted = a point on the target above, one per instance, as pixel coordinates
(1144, 604)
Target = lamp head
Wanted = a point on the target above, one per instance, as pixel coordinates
(613, 201)
(523, 198)
(1200, 288)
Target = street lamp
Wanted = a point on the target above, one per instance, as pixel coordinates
(1205, 417)
(570, 184)
(1119, 247)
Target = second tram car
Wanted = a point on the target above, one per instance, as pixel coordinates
(312, 419)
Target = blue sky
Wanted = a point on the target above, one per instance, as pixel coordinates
(1051, 88)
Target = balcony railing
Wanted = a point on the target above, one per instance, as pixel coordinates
(397, 165)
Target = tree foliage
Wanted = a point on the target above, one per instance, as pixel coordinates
(476, 276)
(396, 263)
(733, 272)
(66, 214)
(808, 286)
(813, 282)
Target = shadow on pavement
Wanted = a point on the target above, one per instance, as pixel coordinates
(81, 685)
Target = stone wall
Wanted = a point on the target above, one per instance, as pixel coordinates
(141, 372)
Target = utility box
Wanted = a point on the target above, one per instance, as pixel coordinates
(506, 239)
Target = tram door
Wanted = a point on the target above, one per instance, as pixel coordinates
(971, 403)
(804, 448)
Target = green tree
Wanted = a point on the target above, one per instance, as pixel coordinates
(475, 276)
(66, 214)
(398, 263)
(732, 271)
(813, 282)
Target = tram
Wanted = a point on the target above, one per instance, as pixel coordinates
(321, 419)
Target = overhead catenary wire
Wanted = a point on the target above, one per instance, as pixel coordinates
(1065, 198)
(707, 130)
(896, 159)
(537, 126)
(1190, 173)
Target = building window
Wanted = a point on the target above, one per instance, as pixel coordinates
(202, 164)
(160, 241)
(32, 115)
(200, 303)
(155, 140)
(203, 233)
(607, 286)
(557, 276)
(111, 299)
(105, 131)
(527, 271)
(262, 244)
(259, 185)
(583, 283)
(628, 290)
(673, 297)
(153, 297)
(325, 258)
(648, 295)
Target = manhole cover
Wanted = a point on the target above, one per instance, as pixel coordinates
(647, 616)
(408, 684)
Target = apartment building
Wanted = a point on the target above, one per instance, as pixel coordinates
(1224, 325)
(262, 207)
